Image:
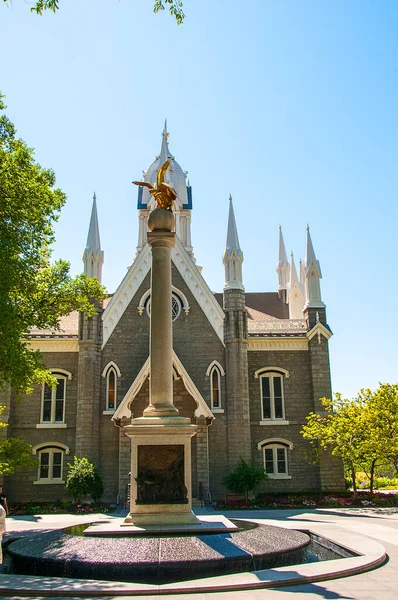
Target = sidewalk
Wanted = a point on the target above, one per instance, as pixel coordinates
(380, 525)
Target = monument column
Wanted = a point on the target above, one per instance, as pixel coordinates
(161, 328)
(160, 483)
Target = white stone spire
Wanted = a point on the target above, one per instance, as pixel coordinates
(233, 255)
(295, 293)
(313, 275)
(177, 178)
(93, 256)
(282, 268)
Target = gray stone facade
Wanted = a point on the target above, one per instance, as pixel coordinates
(232, 431)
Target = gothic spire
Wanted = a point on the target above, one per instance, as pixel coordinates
(282, 268)
(233, 255)
(93, 257)
(232, 232)
(313, 275)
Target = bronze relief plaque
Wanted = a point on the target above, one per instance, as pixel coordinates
(160, 477)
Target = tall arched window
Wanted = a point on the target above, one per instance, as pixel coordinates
(111, 385)
(215, 388)
(215, 372)
(111, 374)
(272, 394)
(53, 400)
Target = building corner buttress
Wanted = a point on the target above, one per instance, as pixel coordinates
(88, 394)
(331, 470)
(237, 384)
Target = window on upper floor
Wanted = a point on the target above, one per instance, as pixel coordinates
(111, 373)
(215, 372)
(53, 401)
(111, 389)
(272, 402)
(275, 457)
(215, 383)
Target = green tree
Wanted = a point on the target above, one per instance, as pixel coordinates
(174, 6)
(381, 414)
(244, 478)
(83, 480)
(33, 292)
(342, 431)
(15, 455)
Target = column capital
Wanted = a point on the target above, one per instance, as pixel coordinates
(159, 239)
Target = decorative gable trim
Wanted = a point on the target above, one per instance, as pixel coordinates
(136, 275)
(319, 329)
(125, 292)
(199, 288)
(124, 409)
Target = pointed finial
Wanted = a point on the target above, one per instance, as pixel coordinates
(94, 196)
(230, 197)
(308, 227)
(164, 150)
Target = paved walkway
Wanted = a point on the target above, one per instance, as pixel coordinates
(380, 525)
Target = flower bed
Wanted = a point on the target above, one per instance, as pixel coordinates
(58, 508)
(314, 500)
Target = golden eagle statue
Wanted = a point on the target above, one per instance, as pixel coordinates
(163, 193)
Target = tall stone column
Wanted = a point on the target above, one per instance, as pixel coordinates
(161, 329)
(160, 483)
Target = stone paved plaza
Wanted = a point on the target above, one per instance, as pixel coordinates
(372, 525)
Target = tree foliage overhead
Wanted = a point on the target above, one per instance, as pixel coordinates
(174, 6)
(33, 292)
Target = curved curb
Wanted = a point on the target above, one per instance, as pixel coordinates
(372, 555)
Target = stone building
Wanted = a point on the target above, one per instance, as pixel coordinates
(248, 368)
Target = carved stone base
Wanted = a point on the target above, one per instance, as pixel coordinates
(160, 484)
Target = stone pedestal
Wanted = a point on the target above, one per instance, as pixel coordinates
(160, 485)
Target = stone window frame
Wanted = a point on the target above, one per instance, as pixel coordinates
(271, 372)
(53, 424)
(111, 367)
(51, 448)
(215, 368)
(276, 444)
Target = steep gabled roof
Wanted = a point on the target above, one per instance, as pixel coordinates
(136, 275)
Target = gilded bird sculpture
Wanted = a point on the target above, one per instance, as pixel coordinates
(163, 193)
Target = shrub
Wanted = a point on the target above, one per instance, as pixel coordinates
(244, 478)
(83, 480)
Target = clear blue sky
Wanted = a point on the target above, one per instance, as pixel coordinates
(290, 106)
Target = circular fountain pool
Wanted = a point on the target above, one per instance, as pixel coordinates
(157, 559)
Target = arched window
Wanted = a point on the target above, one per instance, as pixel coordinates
(215, 388)
(111, 389)
(51, 462)
(275, 457)
(53, 400)
(272, 393)
(111, 374)
(215, 372)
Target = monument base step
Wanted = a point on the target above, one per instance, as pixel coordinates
(206, 524)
